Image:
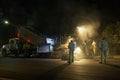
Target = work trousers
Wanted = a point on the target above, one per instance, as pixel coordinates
(71, 56)
(103, 55)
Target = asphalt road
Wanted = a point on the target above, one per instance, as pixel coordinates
(55, 69)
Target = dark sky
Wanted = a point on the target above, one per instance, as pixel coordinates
(54, 17)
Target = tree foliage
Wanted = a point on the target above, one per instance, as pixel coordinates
(112, 33)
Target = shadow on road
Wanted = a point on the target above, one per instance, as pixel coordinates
(51, 74)
(113, 65)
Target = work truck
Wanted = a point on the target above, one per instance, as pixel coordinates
(39, 44)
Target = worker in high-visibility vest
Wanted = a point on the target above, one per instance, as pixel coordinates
(26, 48)
(103, 47)
(71, 47)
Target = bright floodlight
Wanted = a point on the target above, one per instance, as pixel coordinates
(81, 29)
(78, 50)
(82, 32)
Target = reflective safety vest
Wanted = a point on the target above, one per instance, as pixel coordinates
(26, 46)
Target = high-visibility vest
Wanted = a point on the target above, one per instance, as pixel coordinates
(26, 46)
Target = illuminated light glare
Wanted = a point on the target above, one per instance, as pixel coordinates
(78, 50)
(87, 31)
(78, 53)
(3, 46)
(50, 41)
(82, 33)
(65, 45)
(69, 39)
(81, 29)
(6, 22)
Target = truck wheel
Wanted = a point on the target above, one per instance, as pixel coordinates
(26, 54)
(4, 52)
(15, 52)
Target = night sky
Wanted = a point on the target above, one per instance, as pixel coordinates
(55, 17)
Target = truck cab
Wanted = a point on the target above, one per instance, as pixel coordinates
(11, 48)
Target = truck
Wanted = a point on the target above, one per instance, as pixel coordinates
(40, 45)
(14, 46)
(44, 45)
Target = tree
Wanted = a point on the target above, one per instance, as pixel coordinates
(112, 33)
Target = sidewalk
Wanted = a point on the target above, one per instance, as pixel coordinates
(113, 60)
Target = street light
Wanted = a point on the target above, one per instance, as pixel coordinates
(18, 31)
(6, 22)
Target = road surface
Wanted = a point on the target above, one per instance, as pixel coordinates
(55, 69)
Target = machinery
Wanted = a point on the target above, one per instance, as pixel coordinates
(38, 44)
(15, 47)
